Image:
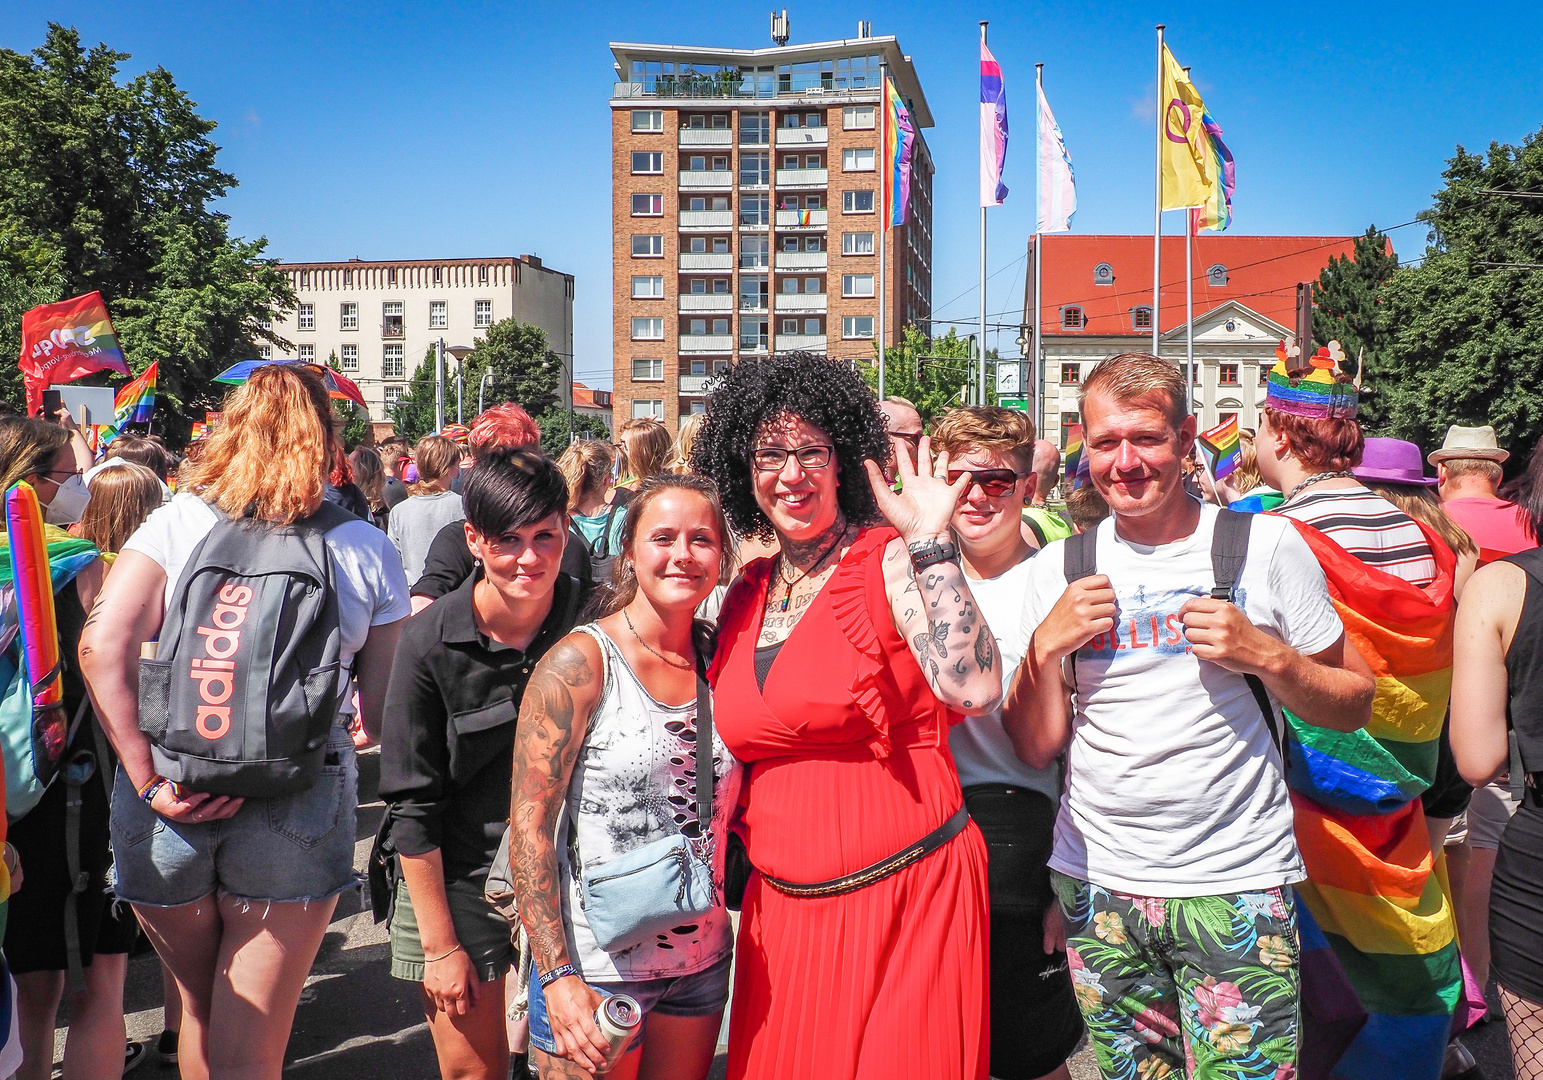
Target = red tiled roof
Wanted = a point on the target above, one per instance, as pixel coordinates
(585, 397)
(1262, 275)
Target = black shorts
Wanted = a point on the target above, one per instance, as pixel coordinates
(1448, 794)
(1516, 906)
(34, 925)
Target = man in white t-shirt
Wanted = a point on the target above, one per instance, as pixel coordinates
(1174, 847)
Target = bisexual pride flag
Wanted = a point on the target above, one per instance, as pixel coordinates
(993, 129)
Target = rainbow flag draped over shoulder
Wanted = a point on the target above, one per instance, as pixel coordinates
(899, 143)
(1372, 885)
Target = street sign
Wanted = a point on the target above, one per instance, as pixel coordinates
(1021, 404)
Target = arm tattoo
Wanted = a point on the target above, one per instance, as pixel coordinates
(984, 652)
(544, 752)
(954, 631)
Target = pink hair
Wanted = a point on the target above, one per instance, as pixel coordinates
(504, 427)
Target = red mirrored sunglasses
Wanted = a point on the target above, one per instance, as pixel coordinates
(994, 482)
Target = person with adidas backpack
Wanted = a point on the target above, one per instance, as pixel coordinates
(219, 656)
(1161, 647)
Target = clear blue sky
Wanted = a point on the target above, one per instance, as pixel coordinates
(396, 130)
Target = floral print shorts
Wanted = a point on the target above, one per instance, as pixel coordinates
(1201, 987)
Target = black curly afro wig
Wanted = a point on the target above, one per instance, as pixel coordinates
(825, 392)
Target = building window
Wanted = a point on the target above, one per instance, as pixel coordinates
(754, 129)
(648, 329)
(857, 202)
(647, 120)
(392, 362)
(265, 351)
(755, 210)
(1073, 317)
(647, 369)
(1264, 375)
(754, 252)
(857, 243)
(348, 358)
(439, 275)
(754, 169)
(721, 326)
(857, 326)
(1216, 275)
(788, 326)
(752, 334)
(1103, 274)
(857, 159)
(348, 316)
(439, 315)
(1223, 417)
(306, 354)
(856, 285)
(1141, 318)
(648, 206)
(812, 327)
(305, 317)
(348, 277)
(1071, 374)
(698, 407)
(1227, 375)
(391, 319)
(647, 288)
(812, 161)
(857, 118)
(305, 278)
(647, 162)
(482, 274)
(390, 275)
(393, 395)
(812, 286)
(1069, 420)
(647, 246)
(696, 327)
(1196, 379)
(648, 408)
(483, 316)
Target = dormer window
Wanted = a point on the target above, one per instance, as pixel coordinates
(1141, 318)
(1216, 275)
(1073, 317)
(1103, 274)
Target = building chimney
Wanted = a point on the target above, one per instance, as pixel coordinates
(864, 28)
(532, 261)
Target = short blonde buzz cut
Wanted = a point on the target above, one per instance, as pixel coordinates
(1129, 376)
(988, 427)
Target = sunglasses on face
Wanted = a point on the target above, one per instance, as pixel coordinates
(773, 458)
(994, 482)
(913, 438)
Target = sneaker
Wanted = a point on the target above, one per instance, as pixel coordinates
(166, 1046)
(1460, 1064)
(134, 1055)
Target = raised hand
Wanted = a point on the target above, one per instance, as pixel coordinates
(925, 504)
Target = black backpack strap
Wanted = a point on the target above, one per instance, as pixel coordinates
(328, 516)
(1081, 555)
(1229, 551)
(1039, 533)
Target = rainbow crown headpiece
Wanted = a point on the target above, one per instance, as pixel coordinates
(1326, 386)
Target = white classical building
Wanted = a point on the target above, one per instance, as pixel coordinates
(380, 318)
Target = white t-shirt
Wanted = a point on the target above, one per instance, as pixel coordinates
(1174, 787)
(982, 751)
(372, 589)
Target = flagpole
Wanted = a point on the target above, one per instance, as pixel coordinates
(883, 154)
(1157, 213)
(1189, 307)
(981, 388)
(1039, 241)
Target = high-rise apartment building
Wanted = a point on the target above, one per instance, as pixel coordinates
(744, 212)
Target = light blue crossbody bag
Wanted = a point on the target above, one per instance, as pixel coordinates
(630, 898)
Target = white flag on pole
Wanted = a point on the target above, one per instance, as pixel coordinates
(1057, 190)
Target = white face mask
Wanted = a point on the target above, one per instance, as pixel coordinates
(69, 502)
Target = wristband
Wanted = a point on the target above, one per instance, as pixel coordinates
(931, 553)
(151, 789)
(556, 973)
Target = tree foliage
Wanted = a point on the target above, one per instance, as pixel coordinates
(929, 374)
(1346, 305)
(412, 416)
(108, 186)
(555, 435)
(525, 370)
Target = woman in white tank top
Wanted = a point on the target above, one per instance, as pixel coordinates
(604, 764)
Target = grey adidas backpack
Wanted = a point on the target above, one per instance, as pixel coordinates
(247, 677)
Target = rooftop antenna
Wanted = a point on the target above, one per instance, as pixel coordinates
(779, 27)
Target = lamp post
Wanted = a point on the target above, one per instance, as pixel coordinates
(459, 352)
(487, 377)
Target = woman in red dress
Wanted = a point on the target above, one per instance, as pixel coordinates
(863, 937)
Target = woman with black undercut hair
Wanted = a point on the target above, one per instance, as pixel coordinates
(840, 662)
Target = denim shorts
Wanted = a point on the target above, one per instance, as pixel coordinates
(294, 848)
(702, 993)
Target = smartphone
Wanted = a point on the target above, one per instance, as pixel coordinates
(53, 401)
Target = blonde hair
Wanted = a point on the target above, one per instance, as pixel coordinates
(122, 496)
(1086, 507)
(988, 427)
(647, 448)
(1246, 477)
(369, 474)
(586, 468)
(1129, 376)
(435, 456)
(1467, 466)
(269, 455)
(685, 439)
(1422, 504)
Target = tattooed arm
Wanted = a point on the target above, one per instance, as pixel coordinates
(554, 717)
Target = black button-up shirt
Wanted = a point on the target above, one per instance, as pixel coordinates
(447, 745)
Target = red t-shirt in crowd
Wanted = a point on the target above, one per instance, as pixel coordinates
(1494, 525)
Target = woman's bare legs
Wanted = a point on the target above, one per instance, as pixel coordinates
(474, 1046)
(1524, 1024)
(679, 1046)
(94, 1047)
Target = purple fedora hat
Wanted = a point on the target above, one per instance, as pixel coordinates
(1392, 461)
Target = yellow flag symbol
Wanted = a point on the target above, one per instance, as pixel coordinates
(1187, 179)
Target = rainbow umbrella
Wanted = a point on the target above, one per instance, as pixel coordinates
(338, 386)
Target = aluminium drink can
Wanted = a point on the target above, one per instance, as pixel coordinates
(618, 1018)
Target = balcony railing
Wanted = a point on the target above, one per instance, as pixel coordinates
(707, 178)
(730, 83)
(707, 343)
(802, 178)
(706, 219)
(801, 219)
(752, 304)
(706, 137)
(800, 260)
(803, 136)
(800, 342)
(711, 260)
(392, 328)
(694, 385)
(706, 302)
(810, 302)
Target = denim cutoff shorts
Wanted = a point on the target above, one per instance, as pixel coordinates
(701, 993)
(294, 848)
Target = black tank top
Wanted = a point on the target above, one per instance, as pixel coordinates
(1524, 664)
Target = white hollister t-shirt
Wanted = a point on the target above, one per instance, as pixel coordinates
(1174, 787)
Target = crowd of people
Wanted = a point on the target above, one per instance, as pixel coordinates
(1231, 777)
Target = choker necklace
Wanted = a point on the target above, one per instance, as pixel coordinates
(787, 593)
(650, 648)
(1313, 479)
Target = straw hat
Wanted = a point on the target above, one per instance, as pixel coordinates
(1469, 442)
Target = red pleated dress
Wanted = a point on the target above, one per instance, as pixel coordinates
(847, 763)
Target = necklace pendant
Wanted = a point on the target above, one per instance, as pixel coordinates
(786, 596)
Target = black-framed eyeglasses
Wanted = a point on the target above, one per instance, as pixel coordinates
(66, 473)
(774, 458)
(994, 482)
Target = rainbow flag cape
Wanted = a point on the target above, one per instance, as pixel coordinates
(134, 403)
(1076, 472)
(1221, 449)
(1216, 214)
(899, 142)
(1372, 883)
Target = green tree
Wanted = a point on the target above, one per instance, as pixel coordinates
(356, 421)
(929, 374)
(108, 186)
(555, 436)
(1346, 304)
(413, 414)
(524, 369)
(1462, 333)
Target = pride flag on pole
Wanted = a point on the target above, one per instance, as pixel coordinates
(1188, 173)
(1221, 448)
(1057, 189)
(899, 144)
(1078, 471)
(1216, 214)
(61, 342)
(993, 129)
(134, 404)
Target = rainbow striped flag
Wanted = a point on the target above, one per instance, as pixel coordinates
(1076, 472)
(1216, 214)
(1373, 886)
(61, 342)
(1221, 449)
(899, 142)
(805, 217)
(134, 404)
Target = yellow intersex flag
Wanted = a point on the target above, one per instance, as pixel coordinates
(1187, 177)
